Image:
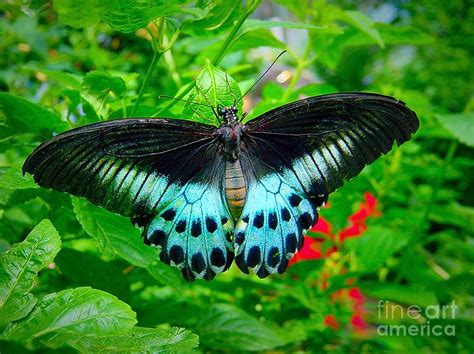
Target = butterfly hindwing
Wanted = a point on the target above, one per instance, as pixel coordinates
(275, 216)
(194, 228)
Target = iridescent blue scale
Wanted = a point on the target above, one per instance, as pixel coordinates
(179, 180)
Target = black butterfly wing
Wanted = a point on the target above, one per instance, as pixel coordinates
(159, 172)
(297, 154)
(327, 139)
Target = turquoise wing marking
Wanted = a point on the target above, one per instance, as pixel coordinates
(272, 225)
(193, 229)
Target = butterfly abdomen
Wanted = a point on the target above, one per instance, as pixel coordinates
(235, 188)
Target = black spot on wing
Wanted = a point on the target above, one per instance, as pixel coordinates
(306, 220)
(253, 257)
(285, 214)
(196, 229)
(272, 220)
(211, 224)
(169, 214)
(273, 257)
(197, 263)
(217, 257)
(176, 254)
(157, 237)
(181, 226)
(258, 220)
(291, 243)
(262, 272)
(295, 200)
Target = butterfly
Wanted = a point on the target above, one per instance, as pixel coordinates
(207, 195)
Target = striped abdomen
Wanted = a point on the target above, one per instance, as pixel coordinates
(235, 188)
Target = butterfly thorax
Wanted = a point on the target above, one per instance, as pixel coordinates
(229, 134)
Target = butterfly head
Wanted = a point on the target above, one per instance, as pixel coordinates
(228, 114)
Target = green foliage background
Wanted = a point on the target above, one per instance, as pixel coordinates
(73, 275)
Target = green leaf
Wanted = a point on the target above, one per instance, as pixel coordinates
(19, 268)
(97, 85)
(375, 246)
(114, 234)
(123, 15)
(214, 88)
(12, 178)
(78, 14)
(138, 340)
(461, 125)
(129, 15)
(255, 39)
(405, 294)
(454, 214)
(79, 311)
(225, 327)
(87, 269)
(218, 16)
(22, 116)
(66, 80)
(363, 24)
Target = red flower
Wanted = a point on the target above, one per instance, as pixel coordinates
(310, 250)
(313, 249)
(331, 322)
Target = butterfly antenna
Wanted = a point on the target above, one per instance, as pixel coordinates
(261, 76)
(209, 103)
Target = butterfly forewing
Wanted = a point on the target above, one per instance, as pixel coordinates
(331, 137)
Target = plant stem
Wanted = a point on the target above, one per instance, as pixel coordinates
(157, 53)
(219, 55)
(146, 81)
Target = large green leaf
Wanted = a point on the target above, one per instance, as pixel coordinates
(123, 15)
(80, 311)
(97, 85)
(363, 24)
(19, 268)
(227, 327)
(12, 178)
(22, 116)
(138, 340)
(87, 269)
(116, 236)
(461, 125)
(214, 87)
(78, 14)
(454, 214)
(375, 246)
(405, 294)
(218, 16)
